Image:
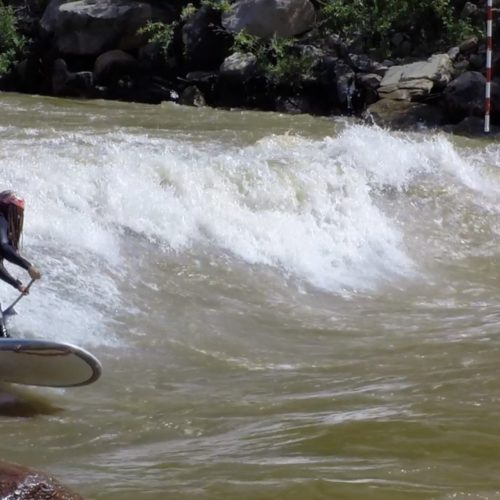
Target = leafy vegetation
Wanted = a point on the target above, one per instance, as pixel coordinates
(432, 22)
(163, 33)
(160, 33)
(278, 57)
(222, 5)
(12, 44)
(188, 12)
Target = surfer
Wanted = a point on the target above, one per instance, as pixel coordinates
(11, 228)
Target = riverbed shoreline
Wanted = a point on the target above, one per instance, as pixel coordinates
(79, 49)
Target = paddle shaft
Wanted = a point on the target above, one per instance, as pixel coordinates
(19, 298)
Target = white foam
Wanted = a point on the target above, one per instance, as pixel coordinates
(309, 208)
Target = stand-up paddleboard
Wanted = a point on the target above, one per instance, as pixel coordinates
(45, 363)
(42, 362)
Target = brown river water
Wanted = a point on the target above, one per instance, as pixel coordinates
(285, 307)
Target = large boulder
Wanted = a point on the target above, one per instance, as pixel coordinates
(90, 27)
(206, 45)
(113, 66)
(69, 84)
(464, 96)
(473, 126)
(239, 67)
(417, 80)
(50, 16)
(20, 483)
(407, 115)
(268, 18)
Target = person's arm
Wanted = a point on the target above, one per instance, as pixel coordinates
(7, 251)
(7, 277)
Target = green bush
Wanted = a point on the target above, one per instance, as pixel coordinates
(433, 22)
(160, 33)
(12, 44)
(277, 58)
(222, 5)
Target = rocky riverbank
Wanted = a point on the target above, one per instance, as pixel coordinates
(100, 49)
(208, 53)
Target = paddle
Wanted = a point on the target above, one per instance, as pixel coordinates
(10, 309)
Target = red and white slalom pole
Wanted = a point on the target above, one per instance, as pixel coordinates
(489, 49)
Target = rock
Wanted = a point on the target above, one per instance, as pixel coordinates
(404, 114)
(50, 16)
(369, 80)
(472, 126)
(239, 67)
(268, 18)
(202, 77)
(192, 96)
(294, 105)
(66, 83)
(469, 10)
(395, 94)
(470, 45)
(113, 66)
(30, 74)
(346, 84)
(90, 27)
(477, 62)
(437, 69)
(367, 85)
(402, 46)
(464, 96)
(453, 53)
(419, 78)
(206, 45)
(205, 81)
(413, 89)
(361, 63)
(20, 483)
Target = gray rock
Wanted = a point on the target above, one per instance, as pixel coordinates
(453, 53)
(472, 126)
(49, 19)
(67, 83)
(206, 45)
(464, 96)
(470, 45)
(90, 27)
(437, 68)
(369, 80)
(419, 78)
(404, 114)
(192, 96)
(113, 65)
(239, 67)
(266, 18)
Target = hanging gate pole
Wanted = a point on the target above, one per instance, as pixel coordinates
(489, 49)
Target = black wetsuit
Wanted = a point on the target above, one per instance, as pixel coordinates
(7, 251)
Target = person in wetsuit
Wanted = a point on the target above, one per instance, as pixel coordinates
(11, 228)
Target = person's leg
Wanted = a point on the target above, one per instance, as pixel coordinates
(3, 327)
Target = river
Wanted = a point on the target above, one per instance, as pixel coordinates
(285, 307)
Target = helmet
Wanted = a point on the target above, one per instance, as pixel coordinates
(11, 198)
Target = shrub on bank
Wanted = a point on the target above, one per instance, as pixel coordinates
(12, 44)
(431, 23)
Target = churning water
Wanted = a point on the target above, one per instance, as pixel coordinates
(285, 307)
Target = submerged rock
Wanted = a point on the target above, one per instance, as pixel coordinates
(21, 483)
(404, 114)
